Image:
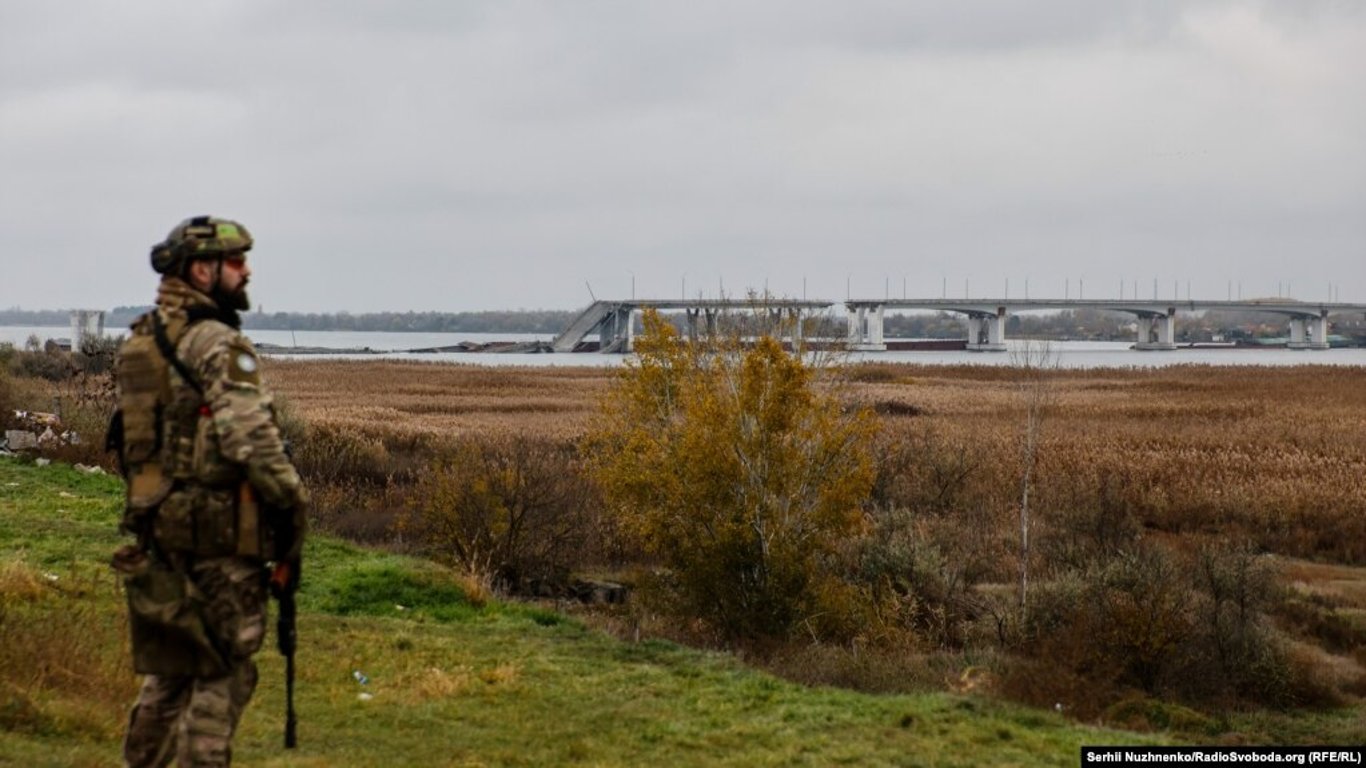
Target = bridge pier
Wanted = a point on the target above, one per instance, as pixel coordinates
(793, 324)
(701, 323)
(1309, 331)
(85, 324)
(617, 332)
(865, 328)
(987, 332)
(1157, 331)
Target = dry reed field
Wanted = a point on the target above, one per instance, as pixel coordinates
(1278, 453)
(437, 399)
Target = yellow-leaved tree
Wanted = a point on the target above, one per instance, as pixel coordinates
(731, 463)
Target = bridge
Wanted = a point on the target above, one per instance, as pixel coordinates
(613, 321)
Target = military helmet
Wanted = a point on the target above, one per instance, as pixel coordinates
(202, 237)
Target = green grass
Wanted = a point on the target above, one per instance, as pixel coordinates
(449, 683)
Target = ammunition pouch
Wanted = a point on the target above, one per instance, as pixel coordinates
(148, 487)
(211, 522)
(166, 618)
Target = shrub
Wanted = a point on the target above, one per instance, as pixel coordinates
(1138, 615)
(1121, 620)
(1145, 714)
(82, 404)
(7, 396)
(923, 469)
(87, 404)
(1237, 587)
(907, 569)
(360, 512)
(293, 429)
(41, 361)
(1189, 627)
(337, 455)
(726, 462)
(1318, 617)
(97, 354)
(509, 510)
(1047, 684)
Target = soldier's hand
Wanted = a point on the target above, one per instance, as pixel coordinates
(284, 579)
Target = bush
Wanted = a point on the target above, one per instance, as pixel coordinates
(510, 510)
(1143, 714)
(50, 364)
(922, 469)
(1236, 588)
(329, 455)
(1093, 521)
(8, 403)
(81, 403)
(1318, 617)
(725, 461)
(97, 354)
(86, 403)
(1193, 628)
(906, 567)
(1141, 615)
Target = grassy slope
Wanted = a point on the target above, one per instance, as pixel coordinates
(451, 684)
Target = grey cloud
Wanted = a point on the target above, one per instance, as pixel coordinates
(468, 155)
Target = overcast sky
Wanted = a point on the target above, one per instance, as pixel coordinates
(453, 156)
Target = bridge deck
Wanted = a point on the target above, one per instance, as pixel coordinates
(601, 312)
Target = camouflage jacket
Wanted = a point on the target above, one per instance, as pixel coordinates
(222, 447)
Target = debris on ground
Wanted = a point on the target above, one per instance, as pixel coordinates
(20, 440)
(37, 431)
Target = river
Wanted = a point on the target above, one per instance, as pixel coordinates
(1068, 354)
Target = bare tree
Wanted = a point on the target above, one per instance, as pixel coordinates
(1033, 363)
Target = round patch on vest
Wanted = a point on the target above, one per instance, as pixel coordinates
(243, 368)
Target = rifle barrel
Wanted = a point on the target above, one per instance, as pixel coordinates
(291, 722)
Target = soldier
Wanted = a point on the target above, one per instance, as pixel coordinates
(211, 493)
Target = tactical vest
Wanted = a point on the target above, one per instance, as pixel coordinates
(177, 499)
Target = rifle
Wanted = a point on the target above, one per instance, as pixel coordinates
(284, 582)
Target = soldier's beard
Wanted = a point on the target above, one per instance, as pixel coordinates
(235, 300)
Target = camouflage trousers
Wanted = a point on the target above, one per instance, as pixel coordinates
(192, 719)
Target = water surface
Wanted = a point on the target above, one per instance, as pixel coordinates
(1069, 354)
